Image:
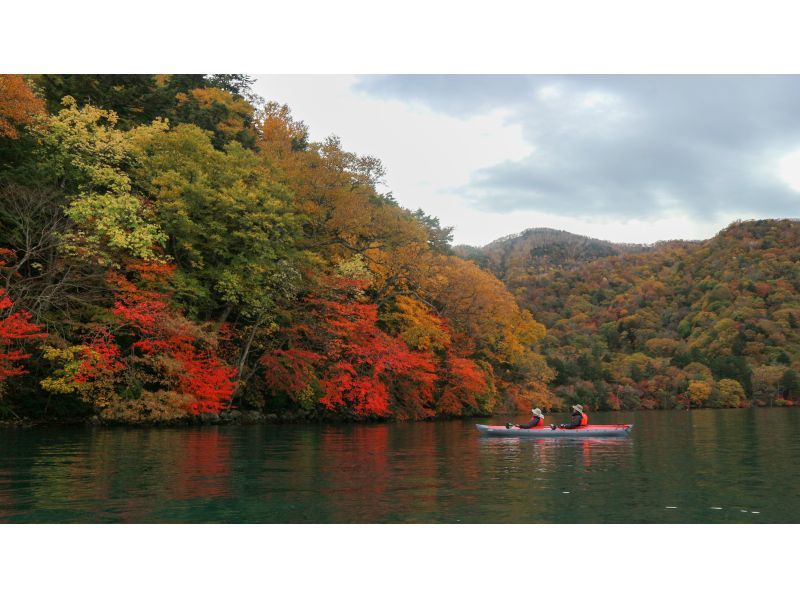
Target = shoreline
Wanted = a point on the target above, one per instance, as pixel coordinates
(236, 417)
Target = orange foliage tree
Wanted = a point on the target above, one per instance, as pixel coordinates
(18, 105)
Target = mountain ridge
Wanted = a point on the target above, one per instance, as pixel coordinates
(541, 250)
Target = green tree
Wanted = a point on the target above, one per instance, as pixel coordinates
(229, 225)
(734, 367)
(228, 117)
(731, 393)
(790, 385)
(230, 229)
(135, 99)
(767, 383)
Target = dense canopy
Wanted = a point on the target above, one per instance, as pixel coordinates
(174, 245)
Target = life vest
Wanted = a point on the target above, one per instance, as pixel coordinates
(540, 423)
(584, 419)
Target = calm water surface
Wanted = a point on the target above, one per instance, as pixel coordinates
(677, 467)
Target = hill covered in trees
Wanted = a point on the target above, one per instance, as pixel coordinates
(174, 245)
(711, 323)
(537, 251)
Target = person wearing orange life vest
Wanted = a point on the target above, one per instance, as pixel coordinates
(537, 421)
(578, 419)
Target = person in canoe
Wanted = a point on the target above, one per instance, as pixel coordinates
(537, 421)
(578, 419)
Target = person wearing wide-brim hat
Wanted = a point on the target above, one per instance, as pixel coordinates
(537, 421)
(577, 419)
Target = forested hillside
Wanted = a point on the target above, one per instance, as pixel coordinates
(712, 323)
(174, 245)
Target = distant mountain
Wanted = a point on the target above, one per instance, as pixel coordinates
(714, 322)
(538, 251)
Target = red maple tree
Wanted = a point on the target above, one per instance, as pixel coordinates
(463, 383)
(15, 328)
(168, 341)
(361, 371)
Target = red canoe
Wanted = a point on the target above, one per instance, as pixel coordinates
(547, 431)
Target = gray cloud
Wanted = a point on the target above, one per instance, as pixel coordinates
(462, 95)
(627, 146)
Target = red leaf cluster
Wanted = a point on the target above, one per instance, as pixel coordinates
(204, 376)
(169, 341)
(101, 357)
(14, 328)
(360, 370)
(290, 370)
(464, 382)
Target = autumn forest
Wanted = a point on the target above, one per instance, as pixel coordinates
(173, 247)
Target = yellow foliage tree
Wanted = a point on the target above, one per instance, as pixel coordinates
(698, 392)
(417, 326)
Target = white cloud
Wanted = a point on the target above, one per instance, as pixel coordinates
(549, 92)
(789, 170)
(597, 99)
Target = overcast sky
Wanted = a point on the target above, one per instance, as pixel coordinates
(623, 158)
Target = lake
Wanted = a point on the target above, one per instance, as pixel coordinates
(723, 466)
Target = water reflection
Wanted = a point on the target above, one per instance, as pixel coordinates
(710, 466)
(549, 453)
(203, 465)
(361, 469)
(110, 475)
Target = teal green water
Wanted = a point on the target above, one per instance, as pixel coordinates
(677, 467)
